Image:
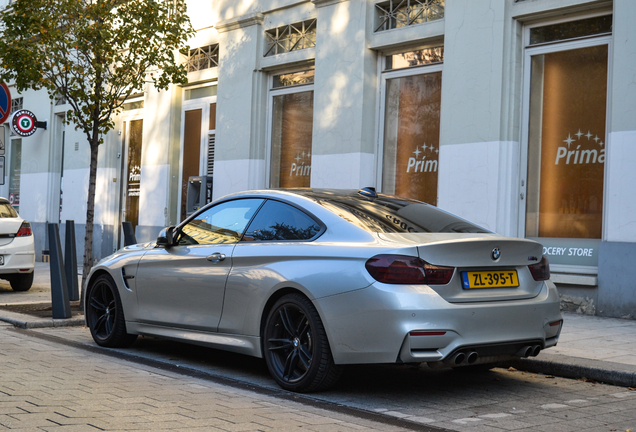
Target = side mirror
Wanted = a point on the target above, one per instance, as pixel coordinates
(165, 237)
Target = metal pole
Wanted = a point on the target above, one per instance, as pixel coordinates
(70, 261)
(59, 288)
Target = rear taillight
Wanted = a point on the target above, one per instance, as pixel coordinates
(401, 269)
(541, 270)
(25, 230)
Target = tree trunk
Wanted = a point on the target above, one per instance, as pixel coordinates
(90, 215)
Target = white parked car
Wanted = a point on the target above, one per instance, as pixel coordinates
(17, 248)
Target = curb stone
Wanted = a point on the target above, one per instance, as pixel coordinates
(574, 367)
(30, 322)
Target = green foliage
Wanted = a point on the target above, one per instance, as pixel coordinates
(93, 53)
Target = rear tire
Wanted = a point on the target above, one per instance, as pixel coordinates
(105, 314)
(21, 282)
(296, 348)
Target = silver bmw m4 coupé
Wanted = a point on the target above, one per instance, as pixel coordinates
(314, 279)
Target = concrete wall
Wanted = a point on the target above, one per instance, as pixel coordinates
(344, 97)
(240, 156)
(617, 254)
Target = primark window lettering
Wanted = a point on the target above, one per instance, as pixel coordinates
(410, 156)
(292, 125)
(566, 139)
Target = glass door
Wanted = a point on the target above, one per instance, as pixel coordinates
(564, 136)
(131, 171)
(197, 146)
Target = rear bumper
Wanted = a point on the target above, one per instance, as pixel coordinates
(19, 256)
(373, 325)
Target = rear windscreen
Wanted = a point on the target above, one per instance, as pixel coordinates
(6, 211)
(386, 214)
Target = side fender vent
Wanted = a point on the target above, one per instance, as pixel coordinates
(126, 277)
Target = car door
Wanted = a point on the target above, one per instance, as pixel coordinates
(183, 285)
(275, 246)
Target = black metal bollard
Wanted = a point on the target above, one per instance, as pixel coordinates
(70, 261)
(59, 287)
(129, 234)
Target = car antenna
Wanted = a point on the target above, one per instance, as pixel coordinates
(368, 192)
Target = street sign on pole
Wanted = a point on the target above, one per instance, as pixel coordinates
(1, 139)
(5, 102)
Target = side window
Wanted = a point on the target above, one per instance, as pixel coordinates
(223, 223)
(280, 221)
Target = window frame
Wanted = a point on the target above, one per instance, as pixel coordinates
(280, 91)
(548, 48)
(319, 222)
(386, 75)
(179, 228)
(191, 105)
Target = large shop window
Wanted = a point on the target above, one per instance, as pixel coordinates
(566, 145)
(292, 124)
(410, 157)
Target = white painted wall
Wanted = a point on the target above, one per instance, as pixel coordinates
(237, 175)
(477, 181)
(153, 198)
(620, 186)
(620, 190)
(343, 171)
(345, 93)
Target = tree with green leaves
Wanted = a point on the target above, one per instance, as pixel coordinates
(94, 54)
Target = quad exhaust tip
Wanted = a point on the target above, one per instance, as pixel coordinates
(464, 358)
(529, 351)
(458, 358)
(471, 357)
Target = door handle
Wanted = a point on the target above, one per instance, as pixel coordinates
(216, 257)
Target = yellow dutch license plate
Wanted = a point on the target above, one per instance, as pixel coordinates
(490, 279)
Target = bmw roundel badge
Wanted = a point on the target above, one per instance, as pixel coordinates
(495, 254)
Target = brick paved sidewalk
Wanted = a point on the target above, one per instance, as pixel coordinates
(49, 387)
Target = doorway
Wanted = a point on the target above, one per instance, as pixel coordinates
(132, 140)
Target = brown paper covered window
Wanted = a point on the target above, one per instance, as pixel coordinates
(411, 137)
(566, 143)
(292, 124)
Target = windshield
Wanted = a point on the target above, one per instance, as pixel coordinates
(6, 211)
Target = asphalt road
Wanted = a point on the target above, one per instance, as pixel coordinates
(416, 396)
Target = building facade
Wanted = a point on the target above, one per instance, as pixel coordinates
(519, 115)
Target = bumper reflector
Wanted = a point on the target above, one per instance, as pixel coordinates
(427, 333)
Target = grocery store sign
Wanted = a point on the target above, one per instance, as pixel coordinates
(569, 251)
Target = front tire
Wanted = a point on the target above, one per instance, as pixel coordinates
(22, 282)
(105, 315)
(296, 348)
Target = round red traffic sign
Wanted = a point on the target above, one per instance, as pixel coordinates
(5, 102)
(24, 123)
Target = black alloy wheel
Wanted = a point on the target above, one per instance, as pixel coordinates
(296, 347)
(105, 315)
